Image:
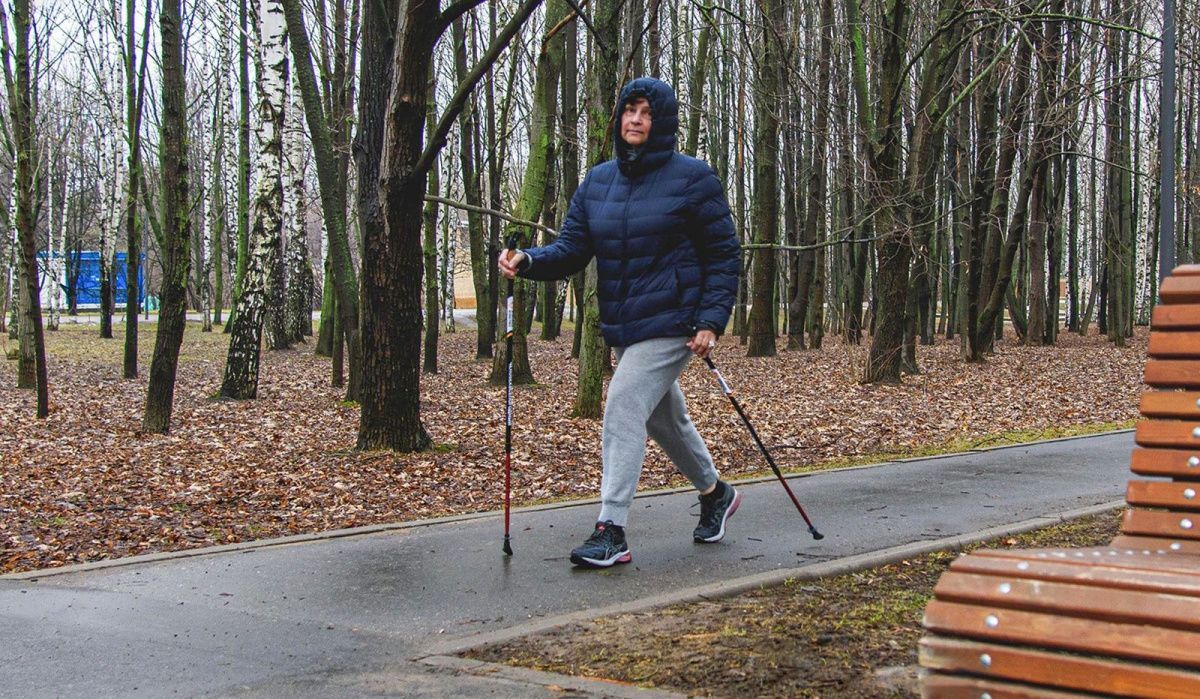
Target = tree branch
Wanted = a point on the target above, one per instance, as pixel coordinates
(447, 17)
(489, 212)
(438, 139)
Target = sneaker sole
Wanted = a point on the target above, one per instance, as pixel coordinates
(623, 557)
(737, 500)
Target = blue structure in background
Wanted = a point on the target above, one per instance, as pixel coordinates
(88, 284)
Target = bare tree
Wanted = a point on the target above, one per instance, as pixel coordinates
(177, 224)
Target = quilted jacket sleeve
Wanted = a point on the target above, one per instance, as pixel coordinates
(571, 250)
(720, 253)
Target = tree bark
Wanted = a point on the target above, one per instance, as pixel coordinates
(391, 315)
(601, 104)
(429, 246)
(177, 223)
(765, 216)
(883, 157)
(26, 185)
(815, 211)
(274, 75)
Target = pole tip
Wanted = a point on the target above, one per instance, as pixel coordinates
(507, 547)
(815, 534)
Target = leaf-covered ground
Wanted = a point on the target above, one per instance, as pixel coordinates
(87, 484)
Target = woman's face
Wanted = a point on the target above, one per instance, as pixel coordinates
(635, 122)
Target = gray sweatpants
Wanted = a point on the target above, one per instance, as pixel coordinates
(644, 399)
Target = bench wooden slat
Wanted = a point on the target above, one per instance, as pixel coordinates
(1174, 404)
(1151, 573)
(1175, 546)
(1175, 317)
(1118, 620)
(1174, 344)
(1175, 463)
(1166, 524)
(1174, 496)
(1181, 289)
(957, 687)
(1133, 641)
(1172, 373)
(1071, 599)
(1168, 433)
(1080, 673)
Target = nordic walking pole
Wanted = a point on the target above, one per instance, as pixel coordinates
(738, 406)
(510, 246)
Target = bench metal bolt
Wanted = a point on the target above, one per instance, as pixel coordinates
(1189, 493)
(985, 660)
(1186, 524)
(1194, 462)
(992, 621)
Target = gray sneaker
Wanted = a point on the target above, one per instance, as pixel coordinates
(715, 510)
(605, 547)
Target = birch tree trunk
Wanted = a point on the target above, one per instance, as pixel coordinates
(223, 108)
(109, 225)
(7, 303)
(176, 203)
(242, 360)
(298, 316)
(56, 221)
(274, 77)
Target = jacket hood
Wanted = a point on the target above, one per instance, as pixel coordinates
(663, 127)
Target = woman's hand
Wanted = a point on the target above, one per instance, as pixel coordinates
(703, 343)
(509, 261)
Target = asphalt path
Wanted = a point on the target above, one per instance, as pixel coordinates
(346, 615)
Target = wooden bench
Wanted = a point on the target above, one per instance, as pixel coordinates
(1122, 619)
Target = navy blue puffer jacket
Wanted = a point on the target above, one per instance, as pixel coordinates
(659, 226)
